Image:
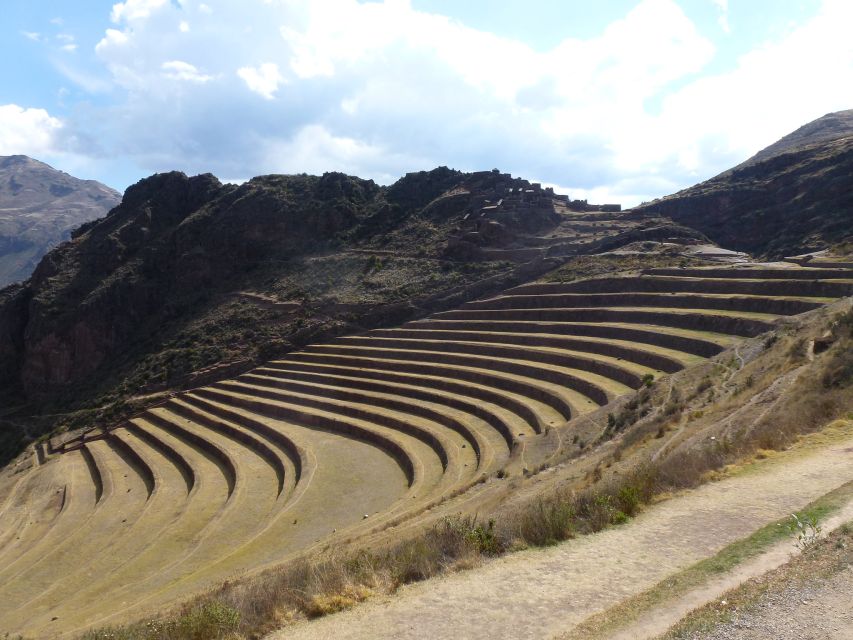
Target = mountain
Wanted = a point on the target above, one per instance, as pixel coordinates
(831, 127)
(39, 206)
(792, 197)
(189, 279)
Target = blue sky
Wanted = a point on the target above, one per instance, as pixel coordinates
(623, 100)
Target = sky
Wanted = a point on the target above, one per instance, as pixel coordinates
(616, 101)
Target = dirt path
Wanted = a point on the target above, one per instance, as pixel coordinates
(543, 593)
(658, 620)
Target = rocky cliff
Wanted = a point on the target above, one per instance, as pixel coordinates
(188, 272)
(792, 197)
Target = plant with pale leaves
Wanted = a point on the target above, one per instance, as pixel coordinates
(806, 530)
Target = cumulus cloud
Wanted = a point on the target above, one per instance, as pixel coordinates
(380, 88)
(112, 37)
(131, 10)
(180, 70)
(31, 132)
(263, 79)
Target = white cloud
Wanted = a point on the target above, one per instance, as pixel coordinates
(68, 43)
(773, 89)
(112, 38)
(131, 10)
(89, 81)
(180, 70)
(263, 79)
(723, 17)
(379, 88)
(32, 35)
(31, 132)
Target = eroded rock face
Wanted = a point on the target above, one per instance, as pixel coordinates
(60, 359)
(14, 301)
(170, 244)
(90, 294)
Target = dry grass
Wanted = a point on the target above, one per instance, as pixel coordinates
(312, 588)
(323, 585)
(563, 514)
(317, 587)
(718, 435)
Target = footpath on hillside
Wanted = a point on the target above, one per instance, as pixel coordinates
(543, 593)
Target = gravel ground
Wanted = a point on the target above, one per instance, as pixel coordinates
(822, 610)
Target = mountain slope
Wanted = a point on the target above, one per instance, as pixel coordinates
(794, 196)
(189, 280)
(832, 126)
(39, 206)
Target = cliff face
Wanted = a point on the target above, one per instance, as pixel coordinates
(39, 206)
(794, 196)
(171, 242)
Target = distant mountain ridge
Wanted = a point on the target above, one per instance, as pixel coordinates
(792, 197)
(39, 206)
(832, 126)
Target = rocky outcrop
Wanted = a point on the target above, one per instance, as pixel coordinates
(177, 243)
(172, 243)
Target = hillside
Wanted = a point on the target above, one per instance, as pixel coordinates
(286, 396)
(364, 442)
(831, 127)
(189, 279)
(39, 206)
(793, 197)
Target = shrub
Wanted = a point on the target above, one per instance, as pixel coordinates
(838, 371)
(845, 324)
(546, 522)
(210, 620)
(673, 408)
(485, 540)
(206, 621)
(797, 350)
(628, 499)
